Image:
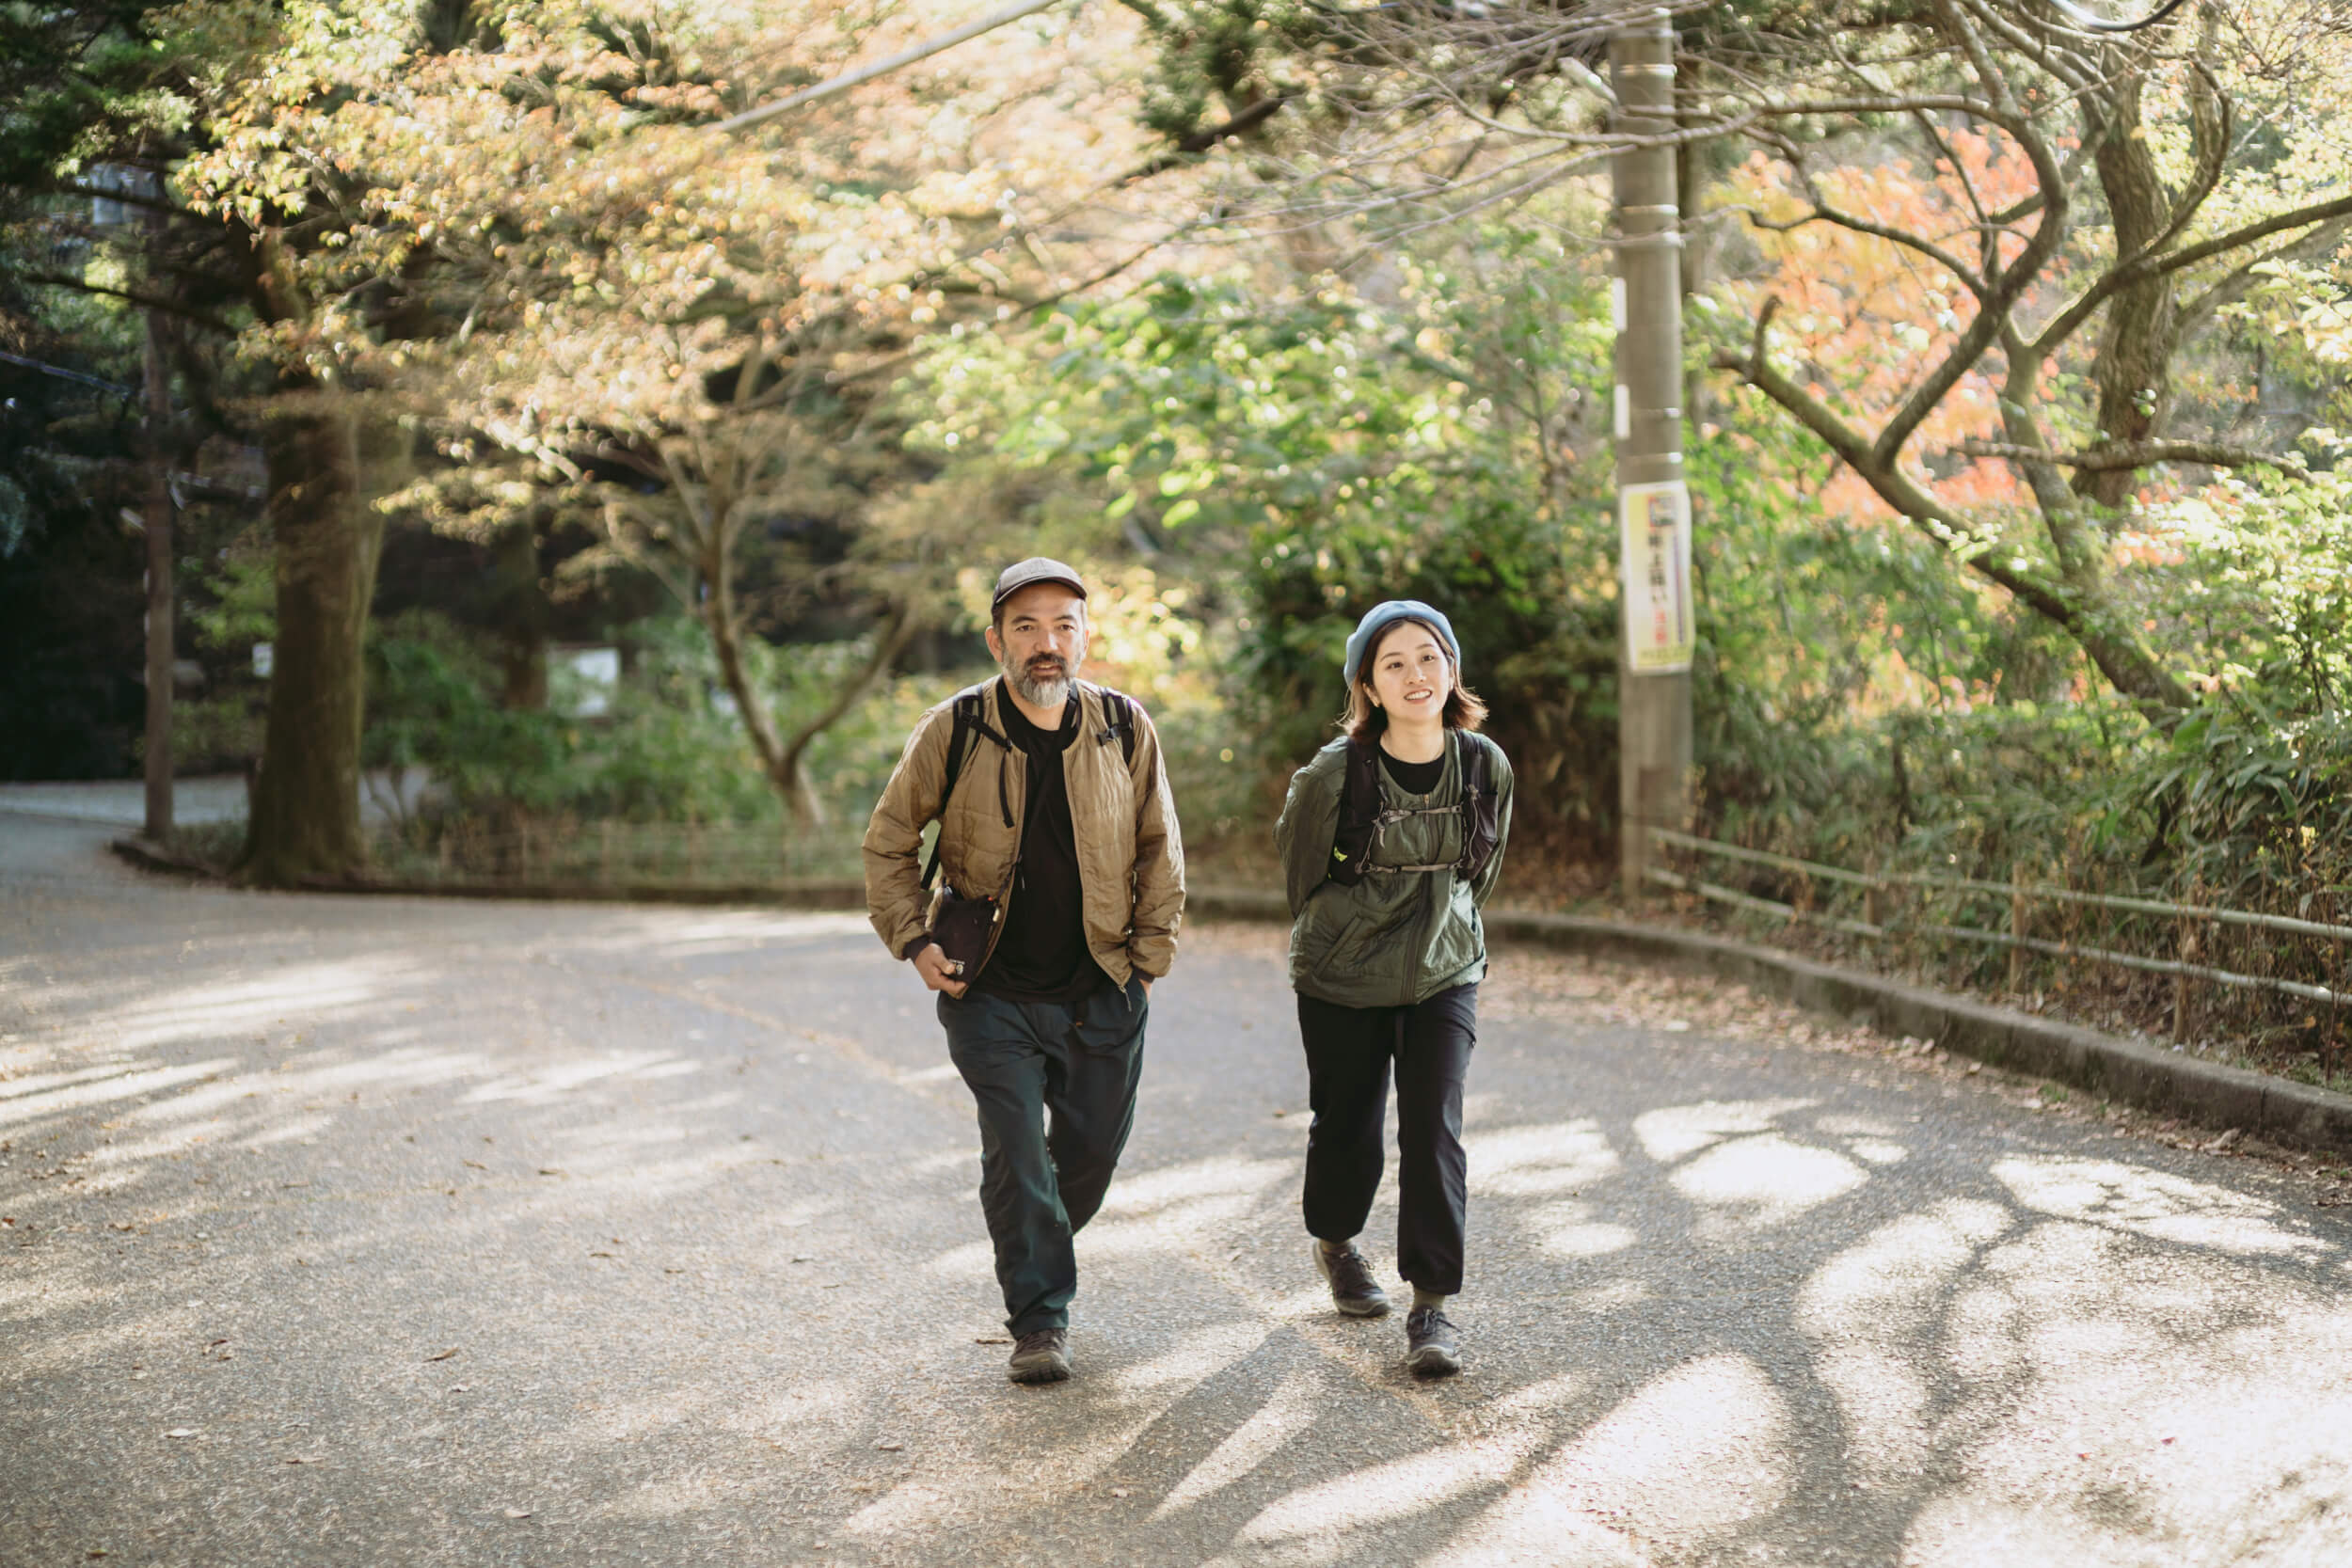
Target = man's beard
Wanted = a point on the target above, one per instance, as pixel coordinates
(1044, 681)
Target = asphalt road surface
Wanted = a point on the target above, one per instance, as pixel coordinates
(387, 1231)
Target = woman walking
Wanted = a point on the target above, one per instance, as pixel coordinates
(1391, 840)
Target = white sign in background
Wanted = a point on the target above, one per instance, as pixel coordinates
(1661, 621)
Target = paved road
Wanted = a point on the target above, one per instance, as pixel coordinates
(348, 1232)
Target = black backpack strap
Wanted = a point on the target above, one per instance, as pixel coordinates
(1362, 815)
(971, 717)
(1119, 718)
(1359, 815)
(1481, 828)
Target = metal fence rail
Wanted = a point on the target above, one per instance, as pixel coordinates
(2016, 940)
(616, 854)
(1883, 881)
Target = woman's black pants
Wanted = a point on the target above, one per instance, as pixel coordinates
(1348, 1053)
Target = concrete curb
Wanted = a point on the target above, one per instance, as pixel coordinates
(148, 855)
(2131, 1072)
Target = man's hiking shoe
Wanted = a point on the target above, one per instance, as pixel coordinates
(1431, 1349)
(1042, 1356)
(1354, 1290)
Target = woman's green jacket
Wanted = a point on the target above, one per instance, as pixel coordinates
(1397, 937)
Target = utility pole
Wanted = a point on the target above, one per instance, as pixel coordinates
(1653, 503)
(161, 643)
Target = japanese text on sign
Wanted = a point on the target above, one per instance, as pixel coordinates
(1654, 523)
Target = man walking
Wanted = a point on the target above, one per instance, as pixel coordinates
(1064, 885)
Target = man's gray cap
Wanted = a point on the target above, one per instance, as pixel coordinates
(1036, 569)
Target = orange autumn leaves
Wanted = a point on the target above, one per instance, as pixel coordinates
(1863, 319)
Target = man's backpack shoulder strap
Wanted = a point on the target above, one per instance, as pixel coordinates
(969, 719)
(969, 714)
(1119, 718)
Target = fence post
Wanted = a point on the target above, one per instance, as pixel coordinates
(1873, 899)
(2017, 928)
(2184, 1020)
(2331, 1039)
(604, 854)
(694, 849)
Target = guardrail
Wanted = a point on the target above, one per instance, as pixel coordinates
(1881, 922)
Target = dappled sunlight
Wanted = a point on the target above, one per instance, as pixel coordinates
(128, 1082)
(777, 1411)
(1193, 1358)
(1689, 1457)
(541, 1085)
(1618, 1295)
(1899, 1276)
(47, 1082)
(2149, 1203)
(1327, 1511)
(2235, 1444)
(1671, 1133)
(1765, 1181)
(1286, 1413)
(668, 935)
(1308, 1303)
(1571, 1230)
(213, 1008)
(1182, 1206)
(1886, 1400)
(1686, 1459)
(1539, 1161)
(1874, 1307)
(972, 1263)
(1981, 1335)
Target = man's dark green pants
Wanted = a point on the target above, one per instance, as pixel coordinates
(1056, 1084)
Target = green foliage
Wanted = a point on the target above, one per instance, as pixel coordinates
(430, 707)
(670, 750)
(1312, 456)
(233, 604)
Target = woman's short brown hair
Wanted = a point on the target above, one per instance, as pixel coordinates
(1364, 719)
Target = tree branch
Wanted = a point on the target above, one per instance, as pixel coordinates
(2129, 667)
(129, 296)
(1191, 146)
(2136, 454)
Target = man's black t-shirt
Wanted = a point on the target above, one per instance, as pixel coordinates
(1043, 954)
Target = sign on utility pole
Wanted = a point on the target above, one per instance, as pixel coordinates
(1653, 502)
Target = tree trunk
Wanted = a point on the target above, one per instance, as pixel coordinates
(306, 801)
(524, 616)
(2133, 370)
(795, 784)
